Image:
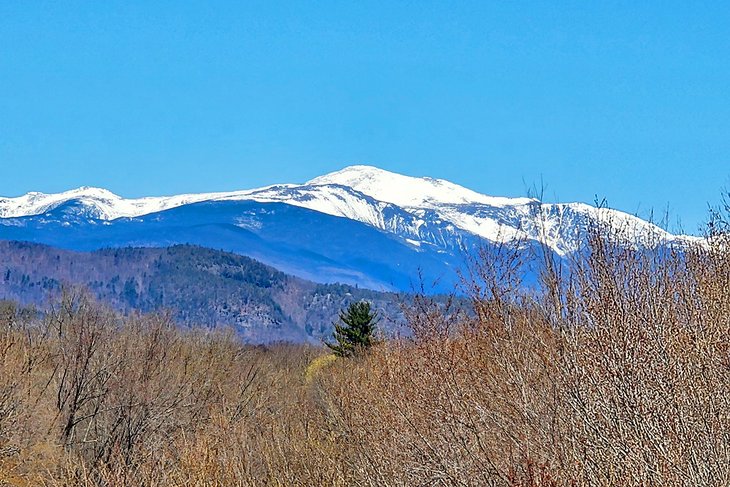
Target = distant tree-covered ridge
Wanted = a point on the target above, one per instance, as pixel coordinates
(199, 286)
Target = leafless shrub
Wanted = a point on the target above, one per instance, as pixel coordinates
(614, 370)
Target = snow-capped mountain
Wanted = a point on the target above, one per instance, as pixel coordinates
(408, 222)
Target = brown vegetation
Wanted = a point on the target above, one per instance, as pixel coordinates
(614, 372)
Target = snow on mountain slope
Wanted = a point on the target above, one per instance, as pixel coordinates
(416, 210)
(106, 205)
(409, 191)
(495, 219)
(330, 199)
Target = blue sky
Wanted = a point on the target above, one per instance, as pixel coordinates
(626, 101)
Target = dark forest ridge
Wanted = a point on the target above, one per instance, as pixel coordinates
(201, 287)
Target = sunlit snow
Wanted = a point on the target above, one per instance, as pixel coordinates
(415, 209)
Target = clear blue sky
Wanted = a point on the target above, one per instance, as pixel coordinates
(624, 100)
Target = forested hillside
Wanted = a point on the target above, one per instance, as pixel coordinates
(199, 286)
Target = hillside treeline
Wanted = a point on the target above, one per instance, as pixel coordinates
(198, 286)
(615, 371)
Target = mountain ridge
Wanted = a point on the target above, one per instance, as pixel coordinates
(359, 225)
(382, 186)
(199, 286)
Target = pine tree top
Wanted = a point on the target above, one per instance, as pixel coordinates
(355, 329)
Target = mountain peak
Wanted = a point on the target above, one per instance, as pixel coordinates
(34, 203)
(357, 172)
(93, 192)
(408, 191)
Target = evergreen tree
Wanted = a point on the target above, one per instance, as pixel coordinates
(354, 333)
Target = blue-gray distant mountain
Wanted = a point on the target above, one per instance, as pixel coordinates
(361, 226)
